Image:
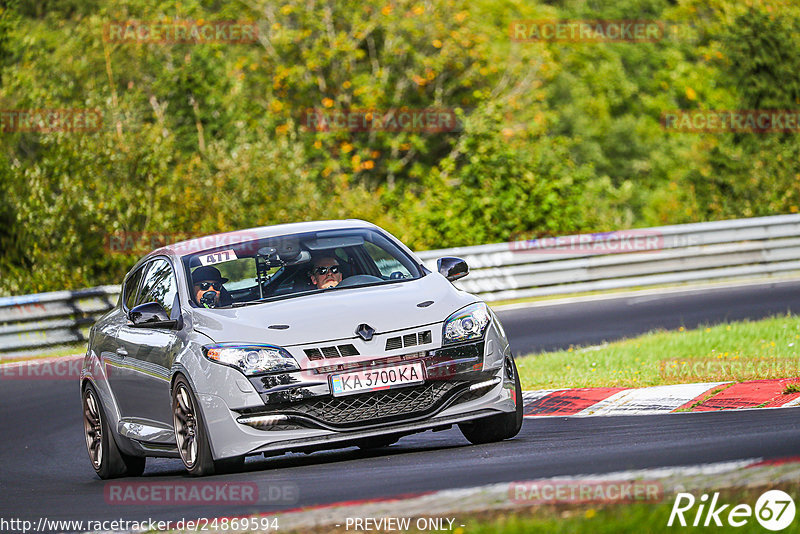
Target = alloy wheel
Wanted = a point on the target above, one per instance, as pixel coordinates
(185, 426)
(93, 428)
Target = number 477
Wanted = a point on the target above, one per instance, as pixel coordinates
(217, 257)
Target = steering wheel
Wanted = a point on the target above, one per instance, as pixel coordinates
(359, 279)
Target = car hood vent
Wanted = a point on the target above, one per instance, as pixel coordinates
(408, 340)
(336, 351)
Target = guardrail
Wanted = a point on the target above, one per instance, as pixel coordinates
(57, 318)
(717, 250)
(736, 248)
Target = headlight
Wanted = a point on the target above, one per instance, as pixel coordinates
(465, 324)
(252, 359)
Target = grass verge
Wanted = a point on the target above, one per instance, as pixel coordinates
(735, 351)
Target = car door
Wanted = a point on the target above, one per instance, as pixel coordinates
(145, 374)
(116, 349)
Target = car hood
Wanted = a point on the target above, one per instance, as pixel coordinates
(334, 315)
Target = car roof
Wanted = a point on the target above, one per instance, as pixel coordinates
(191, 246)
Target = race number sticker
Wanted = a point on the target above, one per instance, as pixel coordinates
(218, 257)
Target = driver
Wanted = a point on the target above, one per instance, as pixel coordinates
(326, 272)
(207, 286)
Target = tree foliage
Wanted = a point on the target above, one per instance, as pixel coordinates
(556, 137)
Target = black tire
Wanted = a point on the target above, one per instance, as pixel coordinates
(106, 458)
(378, 442)
(501, 426)
(190, 431)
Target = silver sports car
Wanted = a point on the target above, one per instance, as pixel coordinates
(295, 337)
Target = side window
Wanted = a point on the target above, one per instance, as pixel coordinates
(129, 296)
(159, 285)
(387, 264)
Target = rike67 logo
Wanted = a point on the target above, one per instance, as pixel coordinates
(774, 510)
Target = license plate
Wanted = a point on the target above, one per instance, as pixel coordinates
(377, 379)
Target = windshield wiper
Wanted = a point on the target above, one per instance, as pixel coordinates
(240, 304)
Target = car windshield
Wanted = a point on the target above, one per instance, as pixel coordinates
(299, 264)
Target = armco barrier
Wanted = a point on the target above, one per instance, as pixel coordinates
(755, 247)
(56, 318)
(761, 246)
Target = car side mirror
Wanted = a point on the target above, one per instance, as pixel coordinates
(152, 315)
(452, 268)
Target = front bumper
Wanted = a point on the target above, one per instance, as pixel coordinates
(299, 413)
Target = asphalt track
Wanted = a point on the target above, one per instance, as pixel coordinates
(45, 471)
(549, 328)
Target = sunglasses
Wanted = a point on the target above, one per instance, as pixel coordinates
(205, 285)
(324, 270)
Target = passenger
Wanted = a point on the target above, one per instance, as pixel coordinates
(326, 272)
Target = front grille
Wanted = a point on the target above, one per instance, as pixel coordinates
(374, 406)
(394, 343)
(331, 352)
(370, 363)
(409, 340)
(313, 354)
(348, 350)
